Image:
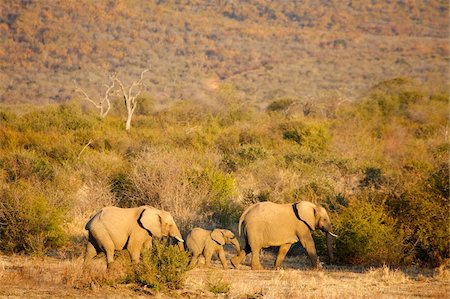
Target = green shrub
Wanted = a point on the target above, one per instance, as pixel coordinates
(124, 190)
(424, 214)
(26, 165)
(315, 137)
(281, 105)
(217, 285)
(29, 222)
(373, 177)
(221, 191)
(367, 235)
(66, 117)
(163, 268)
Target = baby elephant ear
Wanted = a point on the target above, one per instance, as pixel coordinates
(217, 236)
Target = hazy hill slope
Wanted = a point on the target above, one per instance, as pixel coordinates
(267, 50)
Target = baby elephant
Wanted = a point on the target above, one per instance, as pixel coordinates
(201, 241)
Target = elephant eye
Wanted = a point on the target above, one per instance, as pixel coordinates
(232, 237)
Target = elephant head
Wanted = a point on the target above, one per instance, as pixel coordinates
(317, 217)
(224, 236)
(160, 224)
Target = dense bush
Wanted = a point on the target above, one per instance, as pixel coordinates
(367, 235)
(163, 268)
(281, 105)
(29, 221)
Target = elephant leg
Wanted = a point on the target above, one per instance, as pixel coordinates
(308, 244)
(109, 255)
(256, 264)
(222, 258)
(208, 256)
(281, 255)
(134, 248)
(237, 260)
(194, 260)
(91, 252)
(148, 244)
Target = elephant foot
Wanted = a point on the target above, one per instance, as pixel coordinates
(257, 267)
(235, 262)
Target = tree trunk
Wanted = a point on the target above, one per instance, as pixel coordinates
(128, 123)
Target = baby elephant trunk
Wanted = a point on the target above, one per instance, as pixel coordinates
(236, 245)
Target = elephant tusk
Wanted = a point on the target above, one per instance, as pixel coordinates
(334, 235)
(179, 239)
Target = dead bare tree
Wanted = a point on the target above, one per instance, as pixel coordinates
(103, 104)
(131, 98)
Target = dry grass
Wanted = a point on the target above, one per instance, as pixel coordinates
(49, 277)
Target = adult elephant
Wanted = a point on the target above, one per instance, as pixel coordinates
(267, 224)
(115, 228)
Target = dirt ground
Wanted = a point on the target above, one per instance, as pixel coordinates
(25, 277)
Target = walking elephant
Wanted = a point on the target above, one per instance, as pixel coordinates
(267, 224)
(201, 241)
(115, 228)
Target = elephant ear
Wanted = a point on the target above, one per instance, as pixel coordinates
(151, 221)
(308, 213)
(228, 234)
(217, 236)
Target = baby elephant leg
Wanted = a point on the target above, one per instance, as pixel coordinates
(222, 258)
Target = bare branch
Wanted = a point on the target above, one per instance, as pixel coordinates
(130, 98)
(87, 97)
(101, 102)
(84, 148)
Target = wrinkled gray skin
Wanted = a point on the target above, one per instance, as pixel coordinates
(201, 241)
(267, 224)
(115, 228)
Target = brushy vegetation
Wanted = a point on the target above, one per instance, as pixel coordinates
(164, 267)
(379, 165)
(216, 284)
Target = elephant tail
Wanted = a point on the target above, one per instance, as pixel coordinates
(89, 223)
(243, 217)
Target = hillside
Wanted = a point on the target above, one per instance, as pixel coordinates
(267, 50)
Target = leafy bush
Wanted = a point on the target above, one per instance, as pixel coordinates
(423, 213)
(64, 117)
(29, 222)
(217, 285)
(373, 177)
(367, 235)
(124, 190)
(26, 165)
(221, 191)
(163, 268)
(315, 137)
(280, 105)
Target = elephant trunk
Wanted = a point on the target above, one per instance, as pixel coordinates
(330, 240)
(236, 245)
(175, 232)
(181, 245)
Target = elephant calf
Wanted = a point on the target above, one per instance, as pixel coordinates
(201, 241)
